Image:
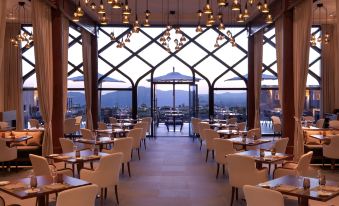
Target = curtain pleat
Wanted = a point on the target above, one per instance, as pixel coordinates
(327, 70)
(336, 73)
(279, 29)
(301, 48)
(86, 54)
(42, 27)
(65, 25)
(13, 74)
(3, 6)
(258, 48)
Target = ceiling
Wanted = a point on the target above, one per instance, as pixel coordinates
(187, 8)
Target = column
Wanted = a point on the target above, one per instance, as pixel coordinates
(95, 97)
(250, 84)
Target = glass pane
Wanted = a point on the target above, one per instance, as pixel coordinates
(115, 55)
(190, 31)
(144, 97)
(230, 55)
(203, 105)
(137, 41)
(267, 80)
(103, 68)
(269, 54)
(26, 68)
(316, 68)
(242, 40)
(230, 103)
(75, 54)
(30, 102)
(206, 67)
(78, 83)
(74, 32)
(134, 68)
(242, 67)
(29, 54)
(115, 103)
(311, 81)
(30, 82)
(115, 80)
(154, 54)
(313, 55)
(207, 39)
(153, 32)
(230, 80)
(186, 54)
(270, 33)
(167, 67)
(312, 103)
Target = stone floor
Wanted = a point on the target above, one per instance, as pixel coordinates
(172, 171)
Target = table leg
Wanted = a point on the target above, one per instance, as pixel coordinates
(303, 201)
(80, 165)
(41, 200)
(173, 124)
(259, 165)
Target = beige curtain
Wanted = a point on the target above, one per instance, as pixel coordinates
(86, 55)
(42, 27)
(301, 48)
(65, 25)
(328, 68)
(13, 74)
(336, 74)
(279, 29)
(258, 50)
(3, 4)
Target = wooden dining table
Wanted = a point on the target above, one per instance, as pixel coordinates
(228, 133)
(85, 156)
(20, 188)
(10, 140)
(248, 141)
(320, 137)
(293, 186)
(101, 142)
(114, 132)
(268, 157)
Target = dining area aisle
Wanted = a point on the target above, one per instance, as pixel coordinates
(173, 171)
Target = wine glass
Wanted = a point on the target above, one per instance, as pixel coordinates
(33, 182)
(54, 175)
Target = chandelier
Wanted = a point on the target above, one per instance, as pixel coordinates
(321, 38)
(24, 38)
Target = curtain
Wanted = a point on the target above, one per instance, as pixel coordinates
(327, 70)
(65, 25)
(13, 74)
(301, 48)
(42, 27)
(3, 7)
(279, 29)
(258, 48)
(86, 55)
(336, 42)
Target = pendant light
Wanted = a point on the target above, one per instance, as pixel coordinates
(207, 8)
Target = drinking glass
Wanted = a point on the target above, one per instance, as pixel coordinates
(54, 174)
(33, 182)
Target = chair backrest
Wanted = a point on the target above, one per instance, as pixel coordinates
(276, 120)
(281, 144)
(331, 150)
(34, 123)
(86, 133)
(7, 153)
(67, 145)
(84, 196)
(232, 120)
(308, 118)
(202, 126)
(143, 126)
(3, 124)
(113, 120)
(148, 120)
(102, 125)
(334, 124)
(320, 123)
(123, 145)
(256, 132)
(78, 120)
(69, 126)
(241, 170)
(210, 135)
(136, 134)
(304, 163)
(2, 202)
(40, 165)
(222, 147)
(257, 196)
(108, 168)
(241, 126)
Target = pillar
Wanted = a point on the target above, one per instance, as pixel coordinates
(250, 84)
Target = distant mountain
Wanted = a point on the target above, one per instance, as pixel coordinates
(164, 98)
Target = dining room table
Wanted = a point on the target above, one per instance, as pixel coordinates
(122, 125)
(12, 139)
(228, 133)
(114, 132)
(21, 187)
(78, 161)
(266, 157)
(245, 142)
(100, 142)
(322, 138)
(294, 186)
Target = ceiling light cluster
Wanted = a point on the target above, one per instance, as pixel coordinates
(325, 38)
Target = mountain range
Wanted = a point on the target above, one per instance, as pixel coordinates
(164, 98)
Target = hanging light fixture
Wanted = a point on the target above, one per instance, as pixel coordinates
(246, 14)
(221, 22)
(199, 14)
(116, 4)
(79, 10)
(93, 6)
(265, 8)
(207, 8)
(103, 19)
(101, 9)
(236, 5)
(269, 19)
(86, 1)
(147, 15)
(240, 17)
(125, 9)
(125, 19)
(221, 2)
(210, 20)
(24, 38)
(321, 38)
(136, 25)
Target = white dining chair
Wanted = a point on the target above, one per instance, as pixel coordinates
(308, 118)
(242, 171)
(144, 127)
(334, 124)
(254, 133)
(136, 134)
(102, 125)
(222, 148)
(88, 135)
(84, 196)
(257, 196)
(7, 153)
(42, 168)
(34, 123)
(320, 123)
(210, 135)
(69, 126)
(280, 145)
(67, 145)
(302, 167)
(78, 120)
(241, 126)
(123, 145)
(202, 126)
(105, 175)
(3, 125)
(331, 150)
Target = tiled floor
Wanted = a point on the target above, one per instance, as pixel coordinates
(172, 172)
